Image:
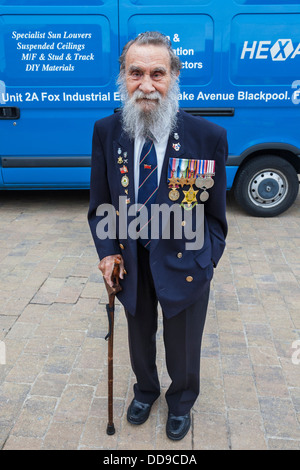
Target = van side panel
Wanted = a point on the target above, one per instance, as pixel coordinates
(58, 67)
(59, 62)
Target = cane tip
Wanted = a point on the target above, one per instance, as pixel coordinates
(110, 430)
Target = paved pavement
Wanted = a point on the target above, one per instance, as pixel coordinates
(52, 328)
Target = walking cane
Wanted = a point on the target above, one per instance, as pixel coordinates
(110, 309)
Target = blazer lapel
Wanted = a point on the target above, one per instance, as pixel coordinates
(124, 152)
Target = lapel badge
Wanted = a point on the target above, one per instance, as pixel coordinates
(125, 181)
(176, 136)
(119, 151)
(124, 169)
(120, 160)
(176, 146)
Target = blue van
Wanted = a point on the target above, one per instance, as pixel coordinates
(241, 69)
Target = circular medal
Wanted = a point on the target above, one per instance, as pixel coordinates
(204, 196)
(125, 181)
(173, 194)
(199, 182)
(209, 182)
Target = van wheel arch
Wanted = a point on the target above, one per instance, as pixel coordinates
(266, 185)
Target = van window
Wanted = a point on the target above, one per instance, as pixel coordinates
(52, 2)
(172, 3)
(192, 41)
(267, 2)
(54, 49)
(267, 54)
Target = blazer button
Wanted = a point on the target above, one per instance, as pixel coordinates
(179, 255)
(189, 279)
(122, 246)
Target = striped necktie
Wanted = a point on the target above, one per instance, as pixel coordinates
(147, 187)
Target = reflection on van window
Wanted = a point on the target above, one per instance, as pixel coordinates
(268, 2)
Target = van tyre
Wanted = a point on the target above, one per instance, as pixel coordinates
(266, 186)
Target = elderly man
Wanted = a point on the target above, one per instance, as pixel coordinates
(151, 153)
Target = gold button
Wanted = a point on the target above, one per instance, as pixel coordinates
(117, 212)
(183, 223)
(122, 246)
(179, 255)
(189, 279)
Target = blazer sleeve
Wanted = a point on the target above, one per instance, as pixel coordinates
(215, 207)
(100, 199)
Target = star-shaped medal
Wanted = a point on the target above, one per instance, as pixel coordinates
(190, 197)
(173, 181)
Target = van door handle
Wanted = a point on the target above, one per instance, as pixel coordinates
(8, 112)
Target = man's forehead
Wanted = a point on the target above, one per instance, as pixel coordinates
(148, 55)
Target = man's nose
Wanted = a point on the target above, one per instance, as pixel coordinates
(146, 85)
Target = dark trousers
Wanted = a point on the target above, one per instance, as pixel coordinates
(182, 339)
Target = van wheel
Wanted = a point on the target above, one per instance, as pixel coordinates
(266, 186)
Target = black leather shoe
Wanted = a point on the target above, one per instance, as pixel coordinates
(178, 426)
(138, 412)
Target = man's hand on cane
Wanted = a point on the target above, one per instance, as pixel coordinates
(106, 267)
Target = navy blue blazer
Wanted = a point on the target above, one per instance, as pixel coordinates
(179, 274)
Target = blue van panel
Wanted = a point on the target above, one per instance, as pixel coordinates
(58, 66)
(44, 177)
(59, 63)
(230, 174)
(267, 54)
(184, 39)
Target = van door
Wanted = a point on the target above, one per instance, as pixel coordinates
(190, 27)
(58, 62)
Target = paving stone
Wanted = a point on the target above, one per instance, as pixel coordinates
(53, 321)
(246, 430)
(35, 417)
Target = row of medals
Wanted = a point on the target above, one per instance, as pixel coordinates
(201, 182)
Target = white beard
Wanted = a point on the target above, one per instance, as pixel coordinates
(154, 122)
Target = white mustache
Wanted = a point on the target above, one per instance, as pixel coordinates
(140, 95)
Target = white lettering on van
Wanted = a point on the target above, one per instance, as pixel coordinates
(281, 50)
(296, 93)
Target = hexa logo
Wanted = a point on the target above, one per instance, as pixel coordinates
(282, 49)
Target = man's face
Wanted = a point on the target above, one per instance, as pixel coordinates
(147, 69)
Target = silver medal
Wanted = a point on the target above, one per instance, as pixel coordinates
(199, 182)
(208, 182)
(204, 196)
